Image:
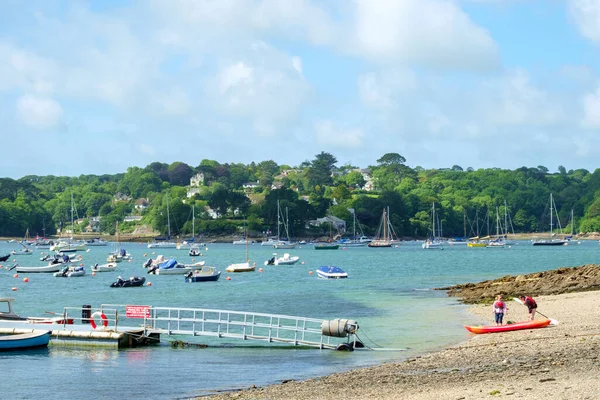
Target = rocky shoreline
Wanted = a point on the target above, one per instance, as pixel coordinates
(558, 362)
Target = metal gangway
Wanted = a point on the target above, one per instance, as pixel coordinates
(337, 334)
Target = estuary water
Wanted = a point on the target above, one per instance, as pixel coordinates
(388, 293)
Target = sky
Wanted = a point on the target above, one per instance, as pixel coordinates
(97, 86)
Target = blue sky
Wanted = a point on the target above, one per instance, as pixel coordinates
(93, 87)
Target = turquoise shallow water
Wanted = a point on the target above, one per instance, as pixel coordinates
(388, 292)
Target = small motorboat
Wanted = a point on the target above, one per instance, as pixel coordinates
(194, 251)
(70, 272)
(104, 267)
(131, 282)
(23, 341)
(331, 272)
(4, 258)
(10, 315)
(204, 274)
(171, 267)
(286, 259)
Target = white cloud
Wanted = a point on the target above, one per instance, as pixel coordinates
(265, 88)
(586, 14)
(514, 100)
(25, 70)
(431, 32)
(235, 75)
(172, 102)
(382, 89)
(39, 112)
(328, 134)
(591, 109)
(297, 64)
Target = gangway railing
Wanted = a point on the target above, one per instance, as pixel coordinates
(299, 331)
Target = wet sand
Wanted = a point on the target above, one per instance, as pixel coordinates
(557, 362)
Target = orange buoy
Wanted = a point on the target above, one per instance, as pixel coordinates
(15, 275)
(310, 272)
(228, 278)
(81, 265)
(260, 270)
(94, 273)
(26, 279)
(14, 289)
(149, 284)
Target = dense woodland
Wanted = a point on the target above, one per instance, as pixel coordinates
(465, 198)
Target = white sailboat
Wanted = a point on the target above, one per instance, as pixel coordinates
(244, 266)
(552, 241)
(356, 241)
(166, 243)
(498, 241)
(279, 243)
(69, 245)
(187, 245)
(433, 242)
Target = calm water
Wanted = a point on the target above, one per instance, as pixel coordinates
(388, 293)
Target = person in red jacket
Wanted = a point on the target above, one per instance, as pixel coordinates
(531, 306)
(499, 308)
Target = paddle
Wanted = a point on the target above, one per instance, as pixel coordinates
(552, 321)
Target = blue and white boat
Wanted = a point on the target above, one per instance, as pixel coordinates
(24, 341)
(205, 274)
(331, 272)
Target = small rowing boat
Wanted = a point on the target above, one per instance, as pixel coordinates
(509, 327)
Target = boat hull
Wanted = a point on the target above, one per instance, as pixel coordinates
(42, 269)
(331, 272)
(509, 327)
(325, 246)
(240, 267)
(25, 341)
(207, 274)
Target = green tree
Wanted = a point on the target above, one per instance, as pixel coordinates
(319, 172)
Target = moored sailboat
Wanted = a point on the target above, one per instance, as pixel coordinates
(552, 241)
(385, 232)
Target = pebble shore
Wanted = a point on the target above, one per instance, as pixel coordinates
(557, 362)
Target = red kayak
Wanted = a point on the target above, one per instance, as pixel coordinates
(509, 327)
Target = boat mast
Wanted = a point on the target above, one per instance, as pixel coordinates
(551, 209)
(168, 219)
(433, 219)
(385, 224)
(72, 221)
(278, 219)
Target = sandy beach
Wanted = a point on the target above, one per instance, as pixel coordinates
(558, 362)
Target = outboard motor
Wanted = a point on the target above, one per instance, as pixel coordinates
(65, 258)
(271, 261)
(148, 263)
(189, 274)
(152, 269)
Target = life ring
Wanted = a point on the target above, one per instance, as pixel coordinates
(102, 318)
